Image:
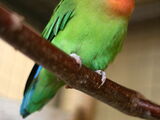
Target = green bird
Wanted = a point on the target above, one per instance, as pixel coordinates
(91, 29)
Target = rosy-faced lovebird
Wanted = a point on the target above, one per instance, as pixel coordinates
(91, 29)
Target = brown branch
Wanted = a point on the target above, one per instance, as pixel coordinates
(23, 38)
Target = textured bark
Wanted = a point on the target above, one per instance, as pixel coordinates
(23, 38)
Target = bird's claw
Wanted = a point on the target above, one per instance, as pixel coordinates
(103, 74)
(77, 58)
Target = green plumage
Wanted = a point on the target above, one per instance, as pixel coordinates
(82, 27)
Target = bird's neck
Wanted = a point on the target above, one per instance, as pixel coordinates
(120, 7)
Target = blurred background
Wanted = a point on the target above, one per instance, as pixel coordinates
(136, 67)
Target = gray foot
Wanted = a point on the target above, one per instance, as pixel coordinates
(103, 74)
(77, 58)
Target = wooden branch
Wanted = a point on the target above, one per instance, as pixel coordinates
(23, 38)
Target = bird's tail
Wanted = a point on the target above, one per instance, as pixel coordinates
(40, 88)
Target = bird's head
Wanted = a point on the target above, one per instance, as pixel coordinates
(121, 7)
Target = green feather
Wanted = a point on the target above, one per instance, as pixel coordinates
(82, 27)
(40, 90)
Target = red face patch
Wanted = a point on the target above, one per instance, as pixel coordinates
(121, 7)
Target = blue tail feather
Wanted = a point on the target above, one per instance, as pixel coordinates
(29, 90)
(38, 71)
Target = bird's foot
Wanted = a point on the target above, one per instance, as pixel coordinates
(77, 58)
(103, 74)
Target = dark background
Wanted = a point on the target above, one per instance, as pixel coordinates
(38, 12)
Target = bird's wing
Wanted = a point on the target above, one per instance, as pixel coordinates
(61, 15)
